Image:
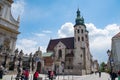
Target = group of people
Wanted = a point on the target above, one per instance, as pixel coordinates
(51, 74)
(25, 75)
(114, 75)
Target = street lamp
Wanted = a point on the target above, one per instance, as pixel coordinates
(110, 60)
(109, 57)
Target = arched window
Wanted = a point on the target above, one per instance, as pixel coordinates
(82, 38)
(78, 31)
(60, 54)
(82, 31)
(78, 38)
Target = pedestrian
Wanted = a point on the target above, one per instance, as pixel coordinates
(99, 73)
(1, 73)
(51, 75)
(119, 75)
(17, 76)
(113, 75)
(26, 74)
(36, 75)
(23, 75)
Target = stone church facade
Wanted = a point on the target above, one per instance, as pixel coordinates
(72, 54)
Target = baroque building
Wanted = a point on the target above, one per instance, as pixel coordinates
(10, 58)
(8, 32)
(72, 54)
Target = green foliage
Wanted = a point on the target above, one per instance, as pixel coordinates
(102, 67)
(108, 70)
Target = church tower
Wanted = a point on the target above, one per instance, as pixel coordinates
(81, 43)
(8, 27)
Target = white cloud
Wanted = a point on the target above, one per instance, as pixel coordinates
(39, 34)
(66, 30)
(100, 39)
(30, 45)
(26, 45)
(18, 8)
(47, 31)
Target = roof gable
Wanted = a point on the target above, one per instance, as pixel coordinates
(60, 44)
(68, 42)
(117, 35)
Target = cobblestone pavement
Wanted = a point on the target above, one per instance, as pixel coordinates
(104, 76)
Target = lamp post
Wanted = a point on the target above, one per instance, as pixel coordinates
(110, 61)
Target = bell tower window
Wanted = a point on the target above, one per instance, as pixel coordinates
(82, 38)
(78, 31)
(82, 31)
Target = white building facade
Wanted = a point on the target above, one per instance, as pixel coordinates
(8, 33)
(8, 26)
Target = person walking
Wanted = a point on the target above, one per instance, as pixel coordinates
(36, 75)
(23, 75)
(26, 74)
(51, 75)
(99, 73)
(1, 73)
(113, 75)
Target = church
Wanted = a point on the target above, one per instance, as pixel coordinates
(72, 54)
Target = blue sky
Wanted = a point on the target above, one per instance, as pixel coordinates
(42, 20)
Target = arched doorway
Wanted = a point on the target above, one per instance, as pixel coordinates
(39, 66)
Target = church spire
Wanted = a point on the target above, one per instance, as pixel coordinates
(78, 13)
(79, 20)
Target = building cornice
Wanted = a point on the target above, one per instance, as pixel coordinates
(8, 29)
(17, 25)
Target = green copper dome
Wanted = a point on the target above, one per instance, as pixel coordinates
(79, 20)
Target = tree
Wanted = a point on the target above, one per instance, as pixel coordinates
(102, 67)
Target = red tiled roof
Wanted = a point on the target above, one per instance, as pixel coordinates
(68, 42)
(117, 35)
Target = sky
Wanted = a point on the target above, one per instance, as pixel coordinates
(42, 20)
